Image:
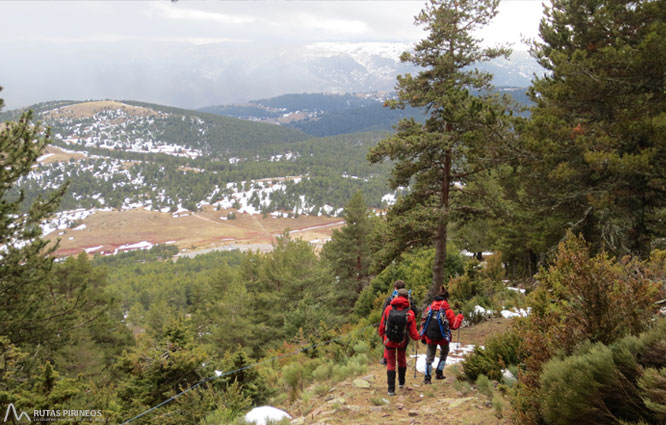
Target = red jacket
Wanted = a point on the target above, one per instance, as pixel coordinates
(454, 321)
(399, 303)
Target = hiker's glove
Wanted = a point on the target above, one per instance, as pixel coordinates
(423, 341)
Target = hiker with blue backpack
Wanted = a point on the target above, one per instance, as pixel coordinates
(397, 325)
(436, 324)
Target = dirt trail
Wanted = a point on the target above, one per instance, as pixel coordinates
(347, 403)
(206, 219)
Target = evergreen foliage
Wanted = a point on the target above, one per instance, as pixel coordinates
(499, 352)
(594, 151)
(602, 384)
(582, 298)
(349, 251)
(464, 136)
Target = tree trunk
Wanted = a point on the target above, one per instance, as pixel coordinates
(441, 234)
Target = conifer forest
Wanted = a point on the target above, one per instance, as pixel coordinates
(542, 211)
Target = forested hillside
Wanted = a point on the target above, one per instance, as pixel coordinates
(165, 159)
(544, 230)
(323, 115)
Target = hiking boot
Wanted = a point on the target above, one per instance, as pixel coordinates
(402, 371)
(390, 380)
(439, 374)
(391, 393)
(427, 380)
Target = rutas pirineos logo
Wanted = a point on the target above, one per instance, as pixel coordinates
(18, 417)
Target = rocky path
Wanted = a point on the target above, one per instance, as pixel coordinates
(364, 400)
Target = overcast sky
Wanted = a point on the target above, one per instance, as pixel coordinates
(78, 50)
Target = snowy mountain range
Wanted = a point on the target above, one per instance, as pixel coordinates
(193, 76)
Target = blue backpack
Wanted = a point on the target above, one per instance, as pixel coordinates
(437, 329)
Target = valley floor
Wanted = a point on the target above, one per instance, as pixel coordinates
(107, 232)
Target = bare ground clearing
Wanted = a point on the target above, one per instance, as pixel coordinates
(109, 230)
(88, 109)
(58, 155)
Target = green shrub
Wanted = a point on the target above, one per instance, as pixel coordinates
(362, 347)
(341, 372)
(499, 352)
(321, 389)
(602, 384)
(498, 405)
(462, 387)
(484, 386)
(587, 298)
(323, 372)
(292, 376)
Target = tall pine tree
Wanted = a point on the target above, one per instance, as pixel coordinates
(464, 135)
(596, 137)
(349, 248)
(24, 261)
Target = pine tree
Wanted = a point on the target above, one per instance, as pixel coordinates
(349, 250)
(595, 140)
(462, 139)
(24, 257)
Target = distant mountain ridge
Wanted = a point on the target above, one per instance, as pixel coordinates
(192, 76)
(329, 114)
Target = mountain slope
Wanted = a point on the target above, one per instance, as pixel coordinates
(328, 114)
(350, 402)
(142, 127)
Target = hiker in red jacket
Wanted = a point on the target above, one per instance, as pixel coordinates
(397, 322)
(436, 324)
(399, 284)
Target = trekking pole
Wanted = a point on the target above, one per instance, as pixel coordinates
(416, 356)
(458, 347)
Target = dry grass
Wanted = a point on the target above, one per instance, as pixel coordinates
(432, 404)
(88, 109)
(190, 231)
(60, 156)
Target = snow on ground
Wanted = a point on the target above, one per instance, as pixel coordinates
(521, 290)
(261, 415)
(64, 219)
(457, 353)
(93, 249)
(44, 157)
(480, 310)
(131, 247)
(472, 254)
(389, 198)
(254, 196)
(516, 312)
(133, 134)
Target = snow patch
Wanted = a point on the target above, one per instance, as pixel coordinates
(44, 157)
(516, 312)
(389, 199)
(261, 415)
(132, 247)
(457, 353)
